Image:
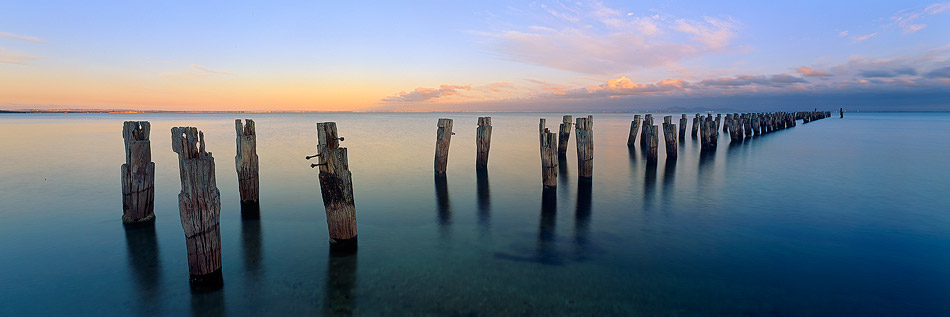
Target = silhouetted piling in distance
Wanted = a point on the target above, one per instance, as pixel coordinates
(669, 135)
(246, 164)
(336, 187)
(695, 130)
(549, 158)
(634, 129)
(841, 112)
(584, 128)
(137, 174)
(443, 138)
(650, 135)
(683, 123)
(564, 135)
(199, 204)
(482, 141)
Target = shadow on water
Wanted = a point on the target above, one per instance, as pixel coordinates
(208, 303)
(563, 171)
(483, 192)
(443, 206)
(547, 253)
(582, 218)
(669, 175)
(339, 297)
(649, 186)
(251, 248)
(142, 244)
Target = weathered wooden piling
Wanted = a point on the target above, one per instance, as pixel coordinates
(735, 128)
(246, 164)
(336, 187)
(137, 174)
(695, 130)
(200, 206)
(443, 138)
(548, 158)
(564, 135)
(647, 120)
(634, 128)
(747, 124)
(683, 123)
(651, 140)
(710, 134)
(669, 135)
(584, 128)
(718, 121)
(482, 141)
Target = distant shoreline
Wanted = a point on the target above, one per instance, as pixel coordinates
(263, 112)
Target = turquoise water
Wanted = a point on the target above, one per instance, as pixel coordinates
(839, 216)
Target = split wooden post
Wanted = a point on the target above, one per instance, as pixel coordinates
(585, 147)
(548, 158)
(564, 135)
(634, 129)
(246, 164)
(710, 134)
(651, 140)
(336, 187)
(669, 135)
(137, 174)
(200, 206)
(695, 130)
(683, 123)
(482, 141)
(747, 124)
(718, 121)
(647, 121)
(725, 125)
(443, 138)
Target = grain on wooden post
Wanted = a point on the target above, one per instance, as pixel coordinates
(585, 146)
(695, 131)
(137, 174)
(336, 187)
(651, 140)
(548, 158)
(683, 123)
(199, 204)
(669, 135)
(647, 121)
(634, 129)
(246, 164)
(482, 141)
(443, 138)
(564, 135)
(710, 134)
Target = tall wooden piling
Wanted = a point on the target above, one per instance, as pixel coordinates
(718, 121)
(585, 146)
(246, 163)
(710, 134)
(137, 174)
(634, 129)
(683, 123)
(647, 121)
(200, 206)
(336, 187)
(669, 135)
(482, 141)
(727, 122)
(651, 140)
(548, 158)
(695, 129)
(564, 135)
(443, 138)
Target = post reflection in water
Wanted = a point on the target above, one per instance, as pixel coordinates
(582, 217)
(339, 298)
(208, 303)
(251, 248)
(669, 174)
(144, 264)
(443, 206)
(484, 199)
(649, 185)
(547, 252)
(563, 173)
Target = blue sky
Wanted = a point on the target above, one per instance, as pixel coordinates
(535, 55)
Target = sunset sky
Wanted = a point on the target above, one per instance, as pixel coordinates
(474, 55)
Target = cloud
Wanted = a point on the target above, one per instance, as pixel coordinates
(907, 19)
(811, 72)
(196, 72)
(8, 57)
(499, 86)
(21, 37)
(887, 73)
(856, 39)
(938, 73)
(421, 94)
(843, 33)
(624, 86)
(746, 80)
(594, 39)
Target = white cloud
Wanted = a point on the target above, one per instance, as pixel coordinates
(907, 20)
(21, 37)
(8, 57)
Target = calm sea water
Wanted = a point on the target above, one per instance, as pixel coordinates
(840, 216)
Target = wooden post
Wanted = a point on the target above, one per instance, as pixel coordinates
(650, 135)
(634, 128)
(482, 141)
(548, 158)
(200, 206)
(647, 121)
(841, 112)
(669, 135)
(683, 123)
(564, 135)
(718, 122)
(695, 130)
(710, 134)
(443, 138)
(245, 161)
(336, 187)
(585, 147)
(137, 174)
(725, 125)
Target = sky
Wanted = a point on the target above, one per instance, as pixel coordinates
(474, 55)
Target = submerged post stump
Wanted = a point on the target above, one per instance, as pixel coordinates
(336, 187)
(585, 147)
(564, 135)
(548, 158)
(200, 206)
(634, 129)
(683, 123)
(442, 140)
(482, 141)
(669, 135)
(246, 163)
(138, 174)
